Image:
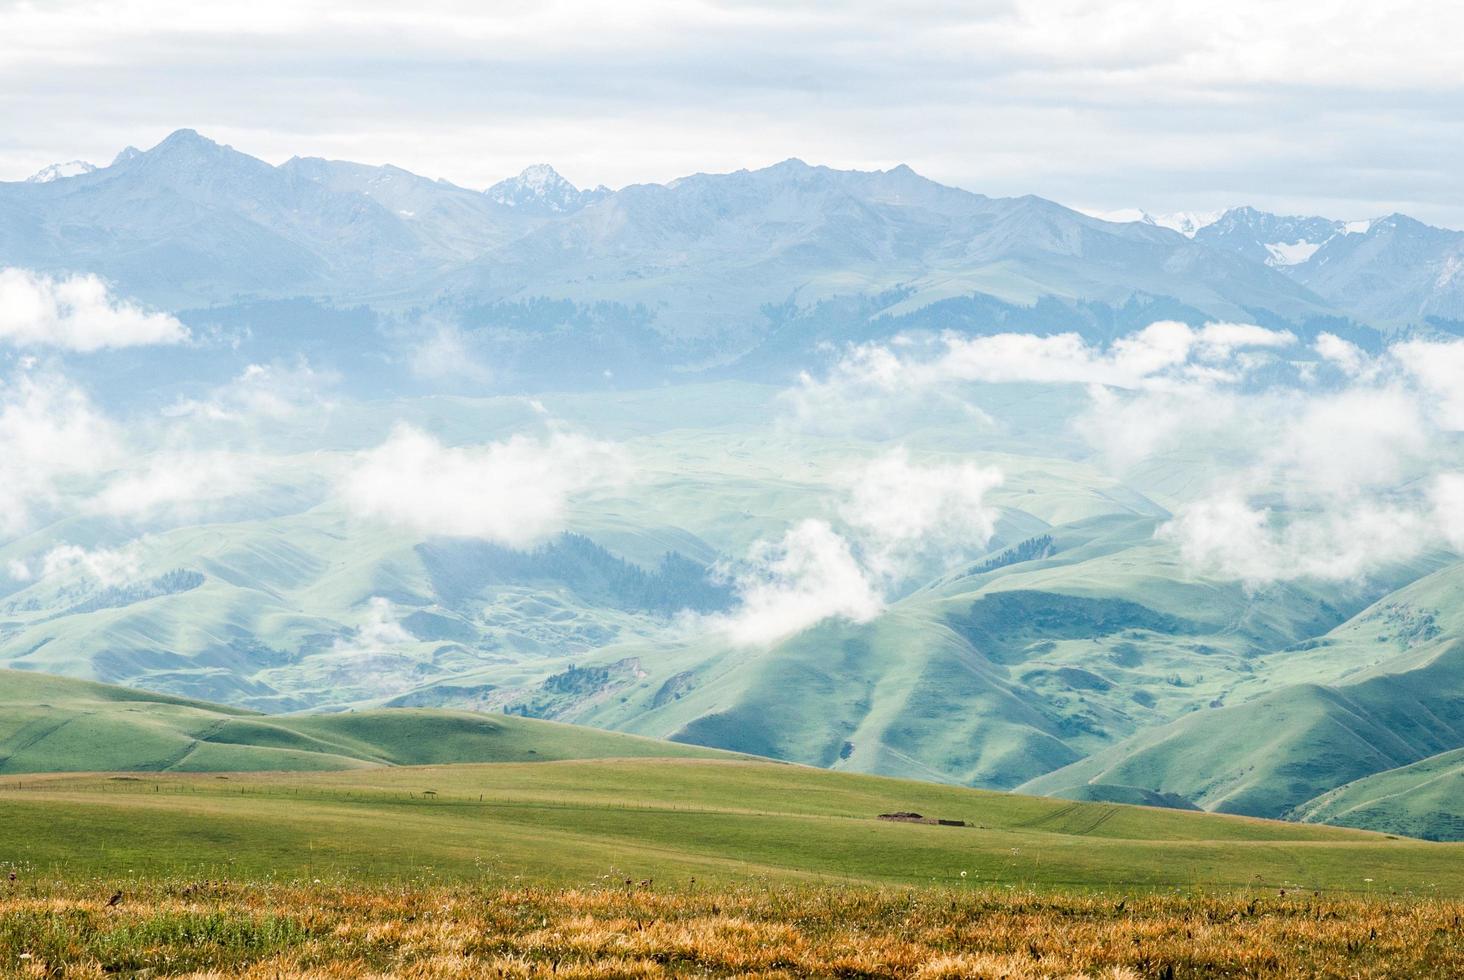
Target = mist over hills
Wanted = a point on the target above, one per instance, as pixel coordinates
(846, 468)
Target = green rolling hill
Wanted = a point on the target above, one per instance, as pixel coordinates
(1078, 655)
(52, 724)
(1377, 694)
(396, 792)
(589, 822)
(1425, 799)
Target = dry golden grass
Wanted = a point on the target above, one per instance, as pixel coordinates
(218, 929)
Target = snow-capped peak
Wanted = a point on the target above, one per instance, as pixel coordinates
(541, 178)
(541, 188)
(1184, 222)
(58, 171)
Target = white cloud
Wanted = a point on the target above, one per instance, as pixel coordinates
(787, 586)
(49, 434)
(262, 391)
(1316, 484)
(1438, 367)
(513, 492)
(993, 95)
(897, 514)
(1347, 356)
(1446, 495)
(901, 512)
(107, 567)
(76, 313)
(1162, 354)
(18, 571)
(1291, 474)
(380, 631)
(173, 479)
(1229, 537)
(446, 354)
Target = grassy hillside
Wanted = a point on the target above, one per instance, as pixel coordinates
(995, 674)
(585, 822)
(1425, 800)
(1271, 755)
(50, 724)
(1101, 649)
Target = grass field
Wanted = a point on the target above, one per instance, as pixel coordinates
(581, 823)
(201, 928)
(714, 866)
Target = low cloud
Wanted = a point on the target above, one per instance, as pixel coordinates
(1160, 354)
(104, 566)
(514, 492)
(76, 313)
(1438, 369)
(51, 434)
(1331, 464)
(902, 512)
(1231, 537)
(446, 354)
(171, 480)
(379, 632)
(786, 586)
(896, 515)
(271, 392)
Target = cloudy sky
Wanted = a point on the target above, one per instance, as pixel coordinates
(1345, 109)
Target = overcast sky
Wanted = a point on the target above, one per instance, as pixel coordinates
(1344, 109)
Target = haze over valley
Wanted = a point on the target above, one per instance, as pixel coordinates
(851, 469)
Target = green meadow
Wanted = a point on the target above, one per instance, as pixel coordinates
(588, 822)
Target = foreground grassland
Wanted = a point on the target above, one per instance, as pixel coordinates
(713, 867)
(585, 822)
(227, 929)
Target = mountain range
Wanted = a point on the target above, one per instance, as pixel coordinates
(707, 269)
(1074, 653)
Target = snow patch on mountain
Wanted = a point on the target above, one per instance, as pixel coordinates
(1293, 253)
(59, 171)
(1451, 272)
(1184, 222)
(541, 188)
(1187, 223)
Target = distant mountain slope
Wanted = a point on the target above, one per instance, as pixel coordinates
(1271, 755)
(710, 253)
(991, 676)
(541, 190)
(191, 222)
(1272, 239)
(709, 259)
(268, 614)
(1399, 271)
(57, 171)
(711, 264)
(1187, 223)
(1425, 799)
(449, 223)
(1389, 272)
(51, 724)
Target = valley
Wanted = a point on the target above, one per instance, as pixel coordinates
(799, 466)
